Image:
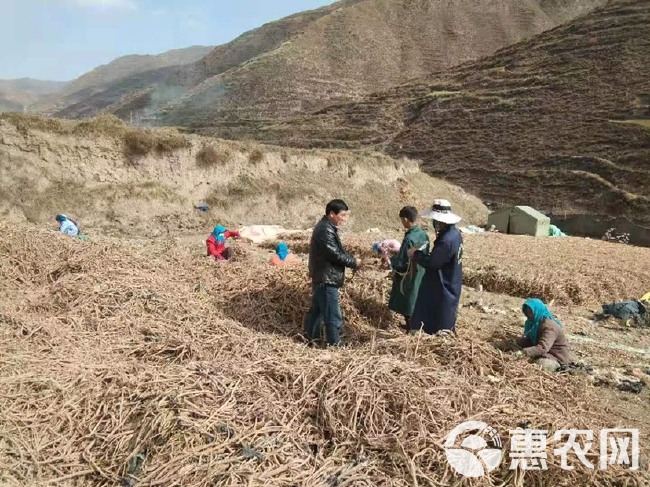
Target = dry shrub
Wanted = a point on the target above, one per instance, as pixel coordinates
(138, 143)
(122, 362)
(168, 141)
(334, 160)
(141, 142)
(256, 156)
(210, 156)
(242, 188)
(107, 124)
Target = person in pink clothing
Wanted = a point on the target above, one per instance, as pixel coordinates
(386, 249)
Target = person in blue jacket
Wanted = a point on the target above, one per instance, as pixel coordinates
(67, 225)
(436, 306)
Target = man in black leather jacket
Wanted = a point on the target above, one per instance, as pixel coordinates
(327, 263)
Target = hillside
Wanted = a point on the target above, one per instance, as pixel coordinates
(15, 94)
(123, 181)
(330, 55)
(107, 75)
(559, 121)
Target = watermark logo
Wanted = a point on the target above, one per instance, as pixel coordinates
(474, 449)
(476, 454)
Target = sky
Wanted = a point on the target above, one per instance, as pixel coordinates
(62, 39)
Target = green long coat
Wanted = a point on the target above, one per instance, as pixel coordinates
(406, 286)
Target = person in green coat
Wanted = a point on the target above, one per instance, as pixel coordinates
(407, 278)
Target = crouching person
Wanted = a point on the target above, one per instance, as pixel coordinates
(544, 339)
(67, 225)
(283, 256)
(327, 263)
(217, 243)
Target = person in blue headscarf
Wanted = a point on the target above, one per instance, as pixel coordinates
(543, 339)
(283, 256)
(217, 242)
(67, 226)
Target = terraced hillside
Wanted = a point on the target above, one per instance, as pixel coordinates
(330, 55)
(558, 121)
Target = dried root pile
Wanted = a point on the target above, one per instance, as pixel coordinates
(563, 270)
(145, 366)
(567, 270)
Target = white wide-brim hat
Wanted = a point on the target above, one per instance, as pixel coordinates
(441, 212)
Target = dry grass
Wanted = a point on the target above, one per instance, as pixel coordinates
(147, 365)
(642, 122)
(443, 94)
(138, 142)
(24, 122)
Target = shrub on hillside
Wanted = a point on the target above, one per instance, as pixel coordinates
(138, 143)
(170, 142)
(109, 125)
(256, 156)
(210, 155)
(141, 142)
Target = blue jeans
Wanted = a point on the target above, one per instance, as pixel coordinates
(325, 306)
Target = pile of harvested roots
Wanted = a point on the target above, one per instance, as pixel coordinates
(143, 365)
(563, 270)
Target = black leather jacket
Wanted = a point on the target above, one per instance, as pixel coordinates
(327, 259)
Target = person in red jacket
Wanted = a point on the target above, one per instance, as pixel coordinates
(216, 242)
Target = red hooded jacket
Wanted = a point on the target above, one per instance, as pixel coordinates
(216, 249)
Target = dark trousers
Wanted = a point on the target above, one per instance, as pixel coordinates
(325, 307)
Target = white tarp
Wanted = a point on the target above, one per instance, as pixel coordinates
(262, 233)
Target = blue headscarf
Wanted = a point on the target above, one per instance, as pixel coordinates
(282, 249)
(61, 218)
(219, 230)
(540, 313)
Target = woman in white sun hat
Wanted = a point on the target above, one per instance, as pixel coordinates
(436, 306)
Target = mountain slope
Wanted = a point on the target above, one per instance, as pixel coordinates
(148, 91)
(559, 121)
(334, 54)
(360, 47)
(100, 78)
(18, 93)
